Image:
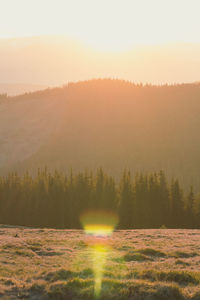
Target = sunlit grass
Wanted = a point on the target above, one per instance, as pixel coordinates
(71, 264)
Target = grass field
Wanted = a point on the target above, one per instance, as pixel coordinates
(131, 264)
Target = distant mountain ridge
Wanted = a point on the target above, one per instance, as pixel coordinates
(13, 89)
(54, 60)
(106, 123)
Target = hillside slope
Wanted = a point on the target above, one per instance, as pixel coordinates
(108, 123)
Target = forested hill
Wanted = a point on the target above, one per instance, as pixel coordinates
(109, 123)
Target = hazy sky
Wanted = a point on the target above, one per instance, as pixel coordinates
(104, 24)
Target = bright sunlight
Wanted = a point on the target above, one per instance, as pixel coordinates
(108, 25)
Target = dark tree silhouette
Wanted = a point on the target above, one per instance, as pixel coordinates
(56, 199)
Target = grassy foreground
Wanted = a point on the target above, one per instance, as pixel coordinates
(132, 264)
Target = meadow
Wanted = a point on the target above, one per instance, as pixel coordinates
(158, 264)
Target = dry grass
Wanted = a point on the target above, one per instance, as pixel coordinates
(59, 264)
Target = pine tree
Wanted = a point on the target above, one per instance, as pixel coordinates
(126, 205)
(177, 206)
(57, 200)
(164, 201)
(142, 210)
(190, 217)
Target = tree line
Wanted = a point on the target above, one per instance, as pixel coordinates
(57, 199)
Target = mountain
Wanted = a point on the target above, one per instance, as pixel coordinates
(13, 89)
(104, 123)
(54, 60)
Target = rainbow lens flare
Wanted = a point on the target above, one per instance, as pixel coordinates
(99, 223)
(98, 229)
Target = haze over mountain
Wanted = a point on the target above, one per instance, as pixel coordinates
(109, 123)
(12, 89)
(55, 60)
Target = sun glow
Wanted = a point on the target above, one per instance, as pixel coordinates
(99, 222)
(104, 24)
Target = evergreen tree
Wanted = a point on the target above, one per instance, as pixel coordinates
(58, 200)
(190, 217)
(126, 206)
(164, 202)
(142, 210)
(177, 205)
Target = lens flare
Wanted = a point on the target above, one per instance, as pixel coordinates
(98, 229)
(99, 222)
(99, 259)
(98, 226)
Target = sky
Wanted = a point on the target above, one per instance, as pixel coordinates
(108, 25)
(57, 41)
